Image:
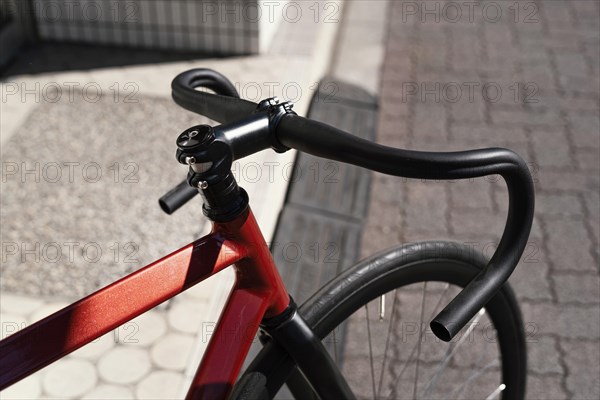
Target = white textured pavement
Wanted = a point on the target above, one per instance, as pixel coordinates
(156, 354)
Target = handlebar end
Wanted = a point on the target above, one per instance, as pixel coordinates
(177, 197)
(441, 331)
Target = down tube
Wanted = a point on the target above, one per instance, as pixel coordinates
(38, 345)
(229, 344)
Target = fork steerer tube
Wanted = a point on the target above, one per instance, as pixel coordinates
(301, 343)
(224, 200)
(210, 156)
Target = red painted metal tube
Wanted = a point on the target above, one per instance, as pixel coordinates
(229, 345)
(258, 292)
(55, 336)
(257, 270)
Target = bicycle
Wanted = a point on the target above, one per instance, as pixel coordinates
(295, 338)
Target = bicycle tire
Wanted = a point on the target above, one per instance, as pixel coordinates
(340, 298)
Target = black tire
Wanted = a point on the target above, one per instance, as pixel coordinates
(340, 298)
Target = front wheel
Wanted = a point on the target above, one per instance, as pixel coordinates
(374, 318)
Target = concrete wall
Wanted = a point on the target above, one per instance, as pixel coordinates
(221, 27)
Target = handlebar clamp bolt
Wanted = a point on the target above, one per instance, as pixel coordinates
(190, 160)
(203, 185)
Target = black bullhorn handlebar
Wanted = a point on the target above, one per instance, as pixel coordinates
(325, 141)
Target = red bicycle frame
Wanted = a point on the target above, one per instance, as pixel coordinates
(258, 293)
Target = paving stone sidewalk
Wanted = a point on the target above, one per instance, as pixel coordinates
(526, 78)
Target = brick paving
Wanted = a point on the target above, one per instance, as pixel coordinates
(534, 71)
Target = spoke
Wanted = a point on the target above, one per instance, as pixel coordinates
(370, 348)
(420, 341)
(439, 302)
(450, 353)
(478, 372)
(387, 342)
(414, 349)
(496, 392)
